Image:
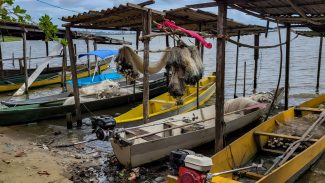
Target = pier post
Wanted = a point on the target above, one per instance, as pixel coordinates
(25, 62)
(64, 68)
(30, 56)
(47, 52)
(236, 70)
(220, 77)
(256, 57)
(88, 58)
(96, 58)
(287, 68)
(1, 63)
(319, 62)
(146, 23)
(74, 75)
(167, 72)
(244, 89)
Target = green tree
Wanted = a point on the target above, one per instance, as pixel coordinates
(13, 13)
(50, 30)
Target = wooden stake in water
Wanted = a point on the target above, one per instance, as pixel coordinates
(25, 62)
(256, 56)
(236, 70)
(244, 90)
(319, 62)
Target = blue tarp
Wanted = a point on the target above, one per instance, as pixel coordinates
(100, 53)
(97, 79)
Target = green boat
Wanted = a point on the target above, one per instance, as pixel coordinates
(36, 112)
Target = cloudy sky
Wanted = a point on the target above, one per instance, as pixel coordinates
(36, 8)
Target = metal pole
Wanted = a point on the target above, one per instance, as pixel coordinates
(74, 76)
(146, 23)
(256, 56)
(236, 71)
(319, 62)
(25, 62)
(244, 89)
(220, 78)
(287, 66)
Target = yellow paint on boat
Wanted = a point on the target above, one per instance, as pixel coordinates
(53, 80)
(240, 152)
(165, 103)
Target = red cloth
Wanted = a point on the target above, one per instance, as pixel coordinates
(168, 23)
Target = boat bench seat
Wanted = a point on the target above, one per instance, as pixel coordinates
(162, 101)
(138, 131)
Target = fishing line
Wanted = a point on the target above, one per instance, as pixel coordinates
(56, 6)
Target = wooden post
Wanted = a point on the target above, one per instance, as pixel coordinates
(319, 62)
(13, 59)
(137, 48)
(25, 62)
(96, 59)
(220, 78)
(244, 89)
(286, 87)
(74, 76)
(256, 56)
(69, 120)
(167, 71)
(88, 58)
(146, 24)
(236, 70)
(30, 56)
(47, 52)
(1, 63)
(64, 68)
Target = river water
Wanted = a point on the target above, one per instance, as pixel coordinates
(303, 69)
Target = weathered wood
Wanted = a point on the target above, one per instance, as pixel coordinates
(64, 68)
(25, 61)
(287, 68)
(1, 63)
(146, 3)
(236, 70)
(74, 76)
(13, 59)
(96, 58)
(30, 56)
(47, 52)
(319, 63)
(244, 89)
(137, 48)
(146, 23)
(69, 120)
(309, 109)
(256, 56)
(167, 41)
(220, 74)
(88, 57)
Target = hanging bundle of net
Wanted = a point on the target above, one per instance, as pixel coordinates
(184, 63)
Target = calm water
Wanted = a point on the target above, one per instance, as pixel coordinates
(303, 69)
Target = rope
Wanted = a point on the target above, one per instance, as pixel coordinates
(279, 78)
(260, 47)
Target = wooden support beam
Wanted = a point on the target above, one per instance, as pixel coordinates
(96, 58)
(146, 3)
(64, 68)
(1, 63)
(25, 61)
(88, 57)
(244, 88)
(319, 63)
(74, 76)
(146, 23)
(236, 70)
(220, 75)
(256, 56)
(47, 53)
(287, 68)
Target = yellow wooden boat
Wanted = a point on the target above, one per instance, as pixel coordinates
(164, 105)
(45, 79)
(255, 145)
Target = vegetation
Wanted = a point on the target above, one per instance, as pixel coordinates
(10, 39)
(50, 30)
(13, 13)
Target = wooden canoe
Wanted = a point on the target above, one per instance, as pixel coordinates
(246, 149)
(133, 151)
(37, 112)
(14, 83)
(165, 105)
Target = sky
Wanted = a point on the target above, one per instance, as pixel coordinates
(36, 9)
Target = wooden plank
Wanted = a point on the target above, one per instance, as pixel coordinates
(319, 62)
(25, 61)
(261, 133)
(256, 56)
(135, 6)
(74, 76)
(287, 68)
(146, 21)
(252, 175)
(220, 78)
(146, 3)
(309, 109)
